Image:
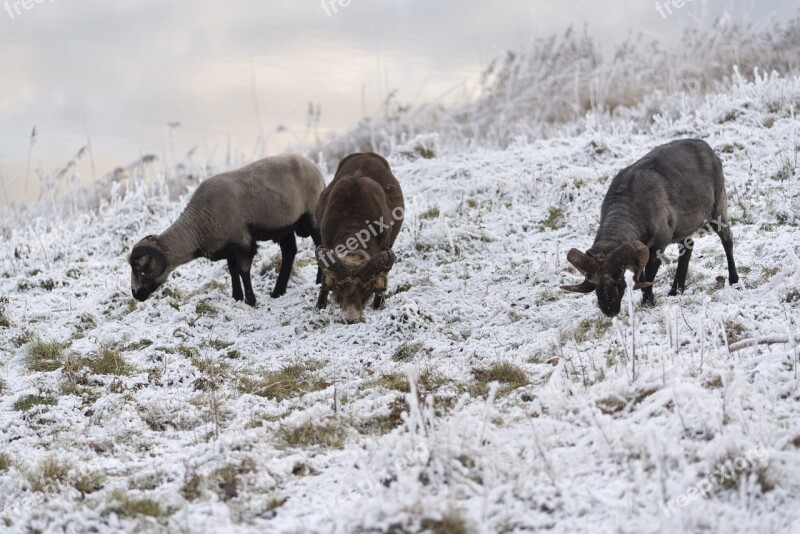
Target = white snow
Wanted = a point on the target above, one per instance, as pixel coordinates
(587, 446)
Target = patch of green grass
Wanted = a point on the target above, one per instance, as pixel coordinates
(47, 285)
(45, 357)
(107, 362)
(331, 434)
(188, 351)
(406, 352)
(228, 479)
(383, 423)
(26, 402)
(510, 376)
(429, 381)
(5, 462)
(70, 386)
(276, 502)
(612, 404)
(128, 506)
(139, 345)
(89, 483)
(192, 488)
(429, 214)
(218, 344)
(451, 523)
(4, 322)
(555, 219)
(394, 381)
(214, 372)
(291, 381)
(23, 338)
(205, 308)
(734, 330)
(589, 329)
(767, 273)
(50, 474)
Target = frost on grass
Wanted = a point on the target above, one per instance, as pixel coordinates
(481, 399)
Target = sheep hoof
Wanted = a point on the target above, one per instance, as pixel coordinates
(277, 294)
(251, 302)
(648, 302)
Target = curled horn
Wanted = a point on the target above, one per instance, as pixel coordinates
(585, 264)
(634, 256)
(329, 261)
(584, 287)
(382, 263)
(149, 246)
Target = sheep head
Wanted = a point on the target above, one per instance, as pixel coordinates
(354, 278)
(605, 275)
(148, 262)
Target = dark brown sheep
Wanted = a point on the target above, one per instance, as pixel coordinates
(360, 214)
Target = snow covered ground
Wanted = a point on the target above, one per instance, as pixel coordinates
(527, 410)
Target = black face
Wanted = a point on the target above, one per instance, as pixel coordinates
(147, 275)
(146, 289)
(609, 295)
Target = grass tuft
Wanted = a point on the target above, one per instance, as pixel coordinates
(129, 506)
(25, 403)
(331, 434)
(108, 362)
(394, 381)
(451, 523)
(406, 352)
(45, 357)
(4, 322)
(291, 381)
(506, 373)
(50, 474)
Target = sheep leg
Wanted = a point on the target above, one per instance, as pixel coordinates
(288, 245)
(235, 280)
(726, 236)
(245, 261)
(377, 303)
(679, 285)
(650, 271)
(322, 301)
(317, 242)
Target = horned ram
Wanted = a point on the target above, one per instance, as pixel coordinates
(664, 198)
(360, 214)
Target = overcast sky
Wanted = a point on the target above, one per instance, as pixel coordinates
(122, 70)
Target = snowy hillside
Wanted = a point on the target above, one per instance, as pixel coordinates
(526, 409)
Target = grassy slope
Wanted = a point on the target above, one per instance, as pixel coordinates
(194, 412)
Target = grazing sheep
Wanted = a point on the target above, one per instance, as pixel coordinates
(664, 198)
(360, 214)
(270, 199)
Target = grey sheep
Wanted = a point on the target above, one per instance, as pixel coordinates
(271, 199)
(665, 197)
(360, 215)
